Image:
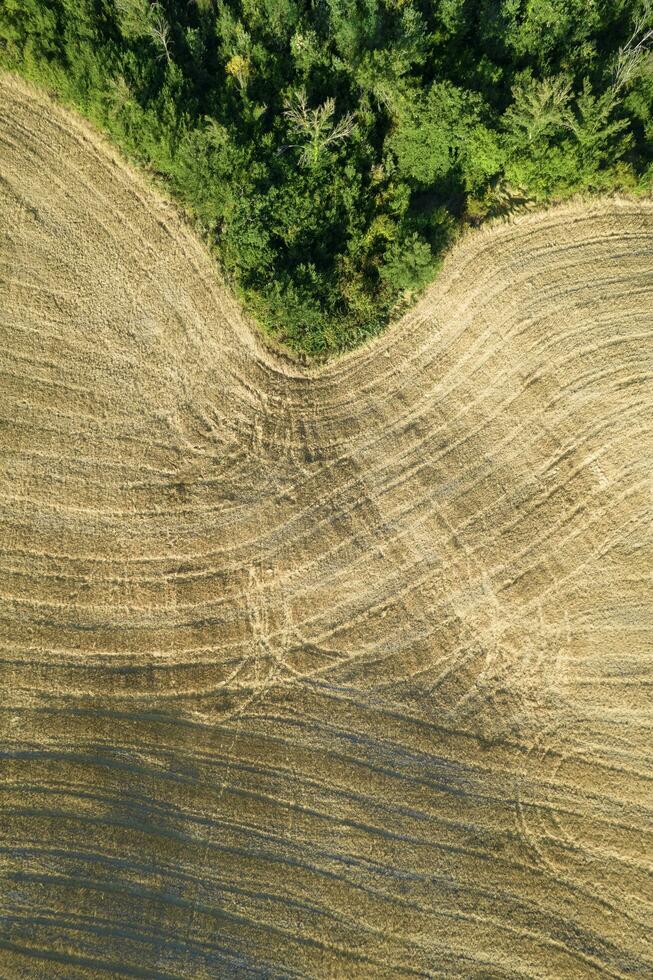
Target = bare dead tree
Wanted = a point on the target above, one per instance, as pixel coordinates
(159, 30)
(635, 55)
(140, 18)
(316, 127)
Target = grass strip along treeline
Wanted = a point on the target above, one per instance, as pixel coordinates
(330, 150)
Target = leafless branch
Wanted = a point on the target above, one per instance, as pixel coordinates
(316, 126)
(159, 30)
(635, 54)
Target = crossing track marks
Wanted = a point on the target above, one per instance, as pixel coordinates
(337, 671)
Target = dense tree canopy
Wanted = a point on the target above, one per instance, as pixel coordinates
(330, 149)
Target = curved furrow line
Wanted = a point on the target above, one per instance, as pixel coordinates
(322, 671)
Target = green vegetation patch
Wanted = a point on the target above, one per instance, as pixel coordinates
(331, 150)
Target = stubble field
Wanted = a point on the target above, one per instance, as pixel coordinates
(340, 671)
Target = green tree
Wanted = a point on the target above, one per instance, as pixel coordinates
(444, 132)
(408, 264)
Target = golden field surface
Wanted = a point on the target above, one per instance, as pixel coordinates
(338, 671)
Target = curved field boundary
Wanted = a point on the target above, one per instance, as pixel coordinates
(327, 672)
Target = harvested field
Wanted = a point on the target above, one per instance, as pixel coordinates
(340, 672)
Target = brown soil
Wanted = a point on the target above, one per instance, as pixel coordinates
(341, 672)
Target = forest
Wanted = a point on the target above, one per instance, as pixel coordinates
(329, 151)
